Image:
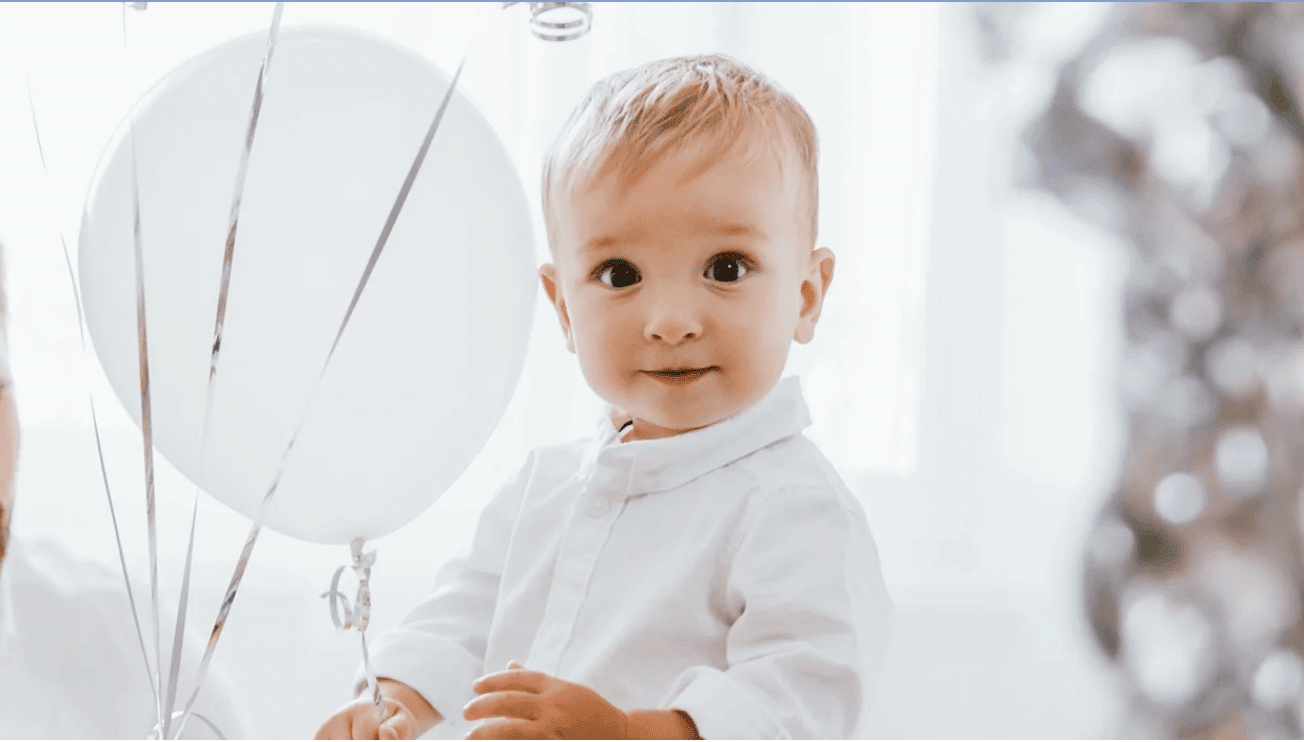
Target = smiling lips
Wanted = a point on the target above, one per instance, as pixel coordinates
(680, 376)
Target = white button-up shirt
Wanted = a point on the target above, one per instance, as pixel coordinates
(71, 666)
(727, 572)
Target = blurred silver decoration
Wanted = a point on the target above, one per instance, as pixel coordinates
(558, 21)
(1178, 126)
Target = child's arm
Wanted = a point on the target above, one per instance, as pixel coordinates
(811, 630)
(661, 724)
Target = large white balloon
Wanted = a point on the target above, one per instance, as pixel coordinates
(435, 347)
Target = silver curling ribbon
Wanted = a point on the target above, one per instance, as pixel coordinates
(357, 614)
(559, 21)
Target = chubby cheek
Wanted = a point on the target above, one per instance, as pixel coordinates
(602, 341)
(764, 329)
(755, 356)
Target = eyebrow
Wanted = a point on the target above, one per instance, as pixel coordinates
(734, 230)
(599, 244)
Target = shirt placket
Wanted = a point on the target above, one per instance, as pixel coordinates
(599, 504)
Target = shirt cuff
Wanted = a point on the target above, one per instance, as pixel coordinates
(720, 708)
(440, 670)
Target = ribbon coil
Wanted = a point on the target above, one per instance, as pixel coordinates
(357, 614)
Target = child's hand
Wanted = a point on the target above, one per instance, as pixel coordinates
(406, 716)
(539, 706)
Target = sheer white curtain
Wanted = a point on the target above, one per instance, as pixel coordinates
(867, 73)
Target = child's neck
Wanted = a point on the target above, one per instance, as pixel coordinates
(628, 429)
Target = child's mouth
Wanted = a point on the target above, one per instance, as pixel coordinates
(680, 376)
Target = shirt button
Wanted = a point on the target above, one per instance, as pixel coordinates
(599, 508)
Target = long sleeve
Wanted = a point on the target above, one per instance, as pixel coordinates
(439, 647)
(812, 625)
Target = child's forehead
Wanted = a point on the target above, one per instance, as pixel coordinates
(626, 166)
(603, 187)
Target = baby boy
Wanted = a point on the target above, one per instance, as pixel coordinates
(696, 568)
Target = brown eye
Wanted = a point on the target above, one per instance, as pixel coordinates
(726, 268)
(618, 274)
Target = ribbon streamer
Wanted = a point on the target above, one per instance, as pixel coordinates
(95, 421)
(265, 506)
(228, 256)
(146, 424)
(358, 613)
(146, 416)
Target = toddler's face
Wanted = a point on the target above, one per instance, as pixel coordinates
(682, 291)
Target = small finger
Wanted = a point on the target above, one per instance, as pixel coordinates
(514, 665)
(335, 727)
(398, 726)
(530, 681)
(505, 729)
(365, 723)
(510, 704)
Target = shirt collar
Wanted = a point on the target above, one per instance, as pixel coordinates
(660, 464)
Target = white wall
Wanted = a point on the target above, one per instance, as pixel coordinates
(1020, 429)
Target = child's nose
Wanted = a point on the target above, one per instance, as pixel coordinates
(673, 320)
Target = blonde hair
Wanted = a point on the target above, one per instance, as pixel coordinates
(631, 119)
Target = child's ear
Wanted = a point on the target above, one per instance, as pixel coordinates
(813, 290)
(548, 275)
